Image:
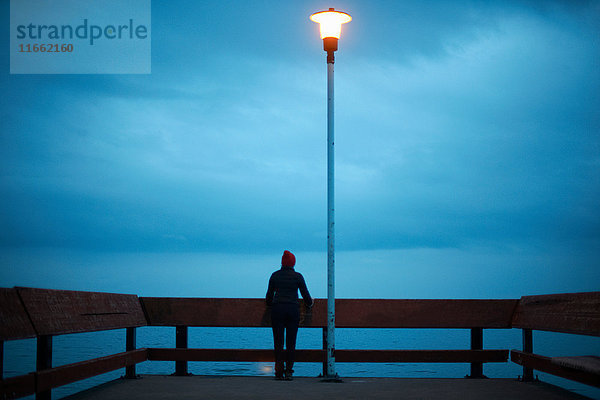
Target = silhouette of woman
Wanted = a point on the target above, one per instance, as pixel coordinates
(282, 296)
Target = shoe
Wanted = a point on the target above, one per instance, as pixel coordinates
(289, 375)
(279, 376)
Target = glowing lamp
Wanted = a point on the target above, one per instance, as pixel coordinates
(330, 23)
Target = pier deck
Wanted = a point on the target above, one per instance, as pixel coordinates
(150, 387)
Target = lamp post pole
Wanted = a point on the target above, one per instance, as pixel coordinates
(330, 223)
(330, 23)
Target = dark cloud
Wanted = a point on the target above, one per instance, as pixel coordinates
(456, 125)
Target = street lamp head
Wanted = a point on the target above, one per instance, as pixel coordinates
(331, 26)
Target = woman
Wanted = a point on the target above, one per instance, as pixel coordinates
(282, 296)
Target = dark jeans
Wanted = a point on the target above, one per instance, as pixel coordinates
(285, 317)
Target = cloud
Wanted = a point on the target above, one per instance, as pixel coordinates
(454, 130)
(489, 142)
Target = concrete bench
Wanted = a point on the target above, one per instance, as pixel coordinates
(575, 313)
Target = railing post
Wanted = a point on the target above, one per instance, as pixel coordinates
(527, 348)
(181, 342)
(1, 360)
(44, 361)
(476, 344)
(325, 350)
(129, 346)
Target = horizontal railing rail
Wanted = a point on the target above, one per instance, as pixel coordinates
(350, 313)
(545, 364)
(65, 374)
(348, 356)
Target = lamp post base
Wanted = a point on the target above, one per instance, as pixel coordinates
(331, 379)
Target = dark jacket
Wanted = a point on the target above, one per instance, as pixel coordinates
(284, 285)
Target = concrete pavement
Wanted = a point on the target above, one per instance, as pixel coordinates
(154, 387)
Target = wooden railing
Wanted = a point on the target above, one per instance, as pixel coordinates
(575, 313)
(41, 313)
(350, 313)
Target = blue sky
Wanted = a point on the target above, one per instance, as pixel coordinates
(467, 141)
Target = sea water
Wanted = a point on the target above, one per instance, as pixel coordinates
(19, 355)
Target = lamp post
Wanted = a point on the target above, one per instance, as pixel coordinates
(331, 27)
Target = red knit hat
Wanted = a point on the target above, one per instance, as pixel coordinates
(288, 259)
